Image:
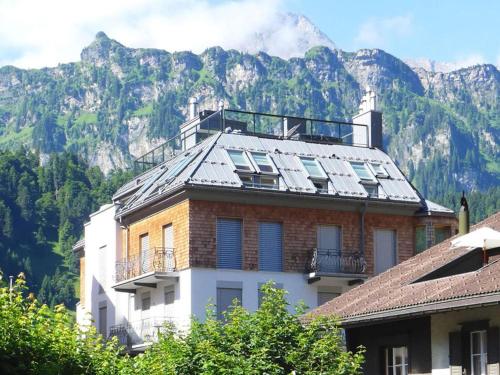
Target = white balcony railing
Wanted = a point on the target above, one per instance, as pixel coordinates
(155, 259)
(140, 332)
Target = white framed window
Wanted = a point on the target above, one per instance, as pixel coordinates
(240, 160)
(478, 352)
(378, 170)
(263, 163)
(260, 181)
(145, 301)
(363, 172)
(396, 361)
(313, 169)
(325, 296)
(226, 298)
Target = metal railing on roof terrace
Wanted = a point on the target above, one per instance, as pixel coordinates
(253, 123)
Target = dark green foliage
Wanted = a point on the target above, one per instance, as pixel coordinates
(42, 212)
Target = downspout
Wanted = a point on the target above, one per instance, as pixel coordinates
(362, 229)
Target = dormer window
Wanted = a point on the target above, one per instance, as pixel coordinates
(255, 169)
(240, 160)
(378, 170)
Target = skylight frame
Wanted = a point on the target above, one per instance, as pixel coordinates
(270, 163)
(251, 167)
(379, 172)
(369, 177)
(322, 174)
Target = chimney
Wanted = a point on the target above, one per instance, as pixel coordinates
(463, 216)
(369, 116)
(193, 108)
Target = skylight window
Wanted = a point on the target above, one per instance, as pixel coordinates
(263, 163)
(313, 168)
(240, 160)
(372, 190)
(363, 172)
(378, 170)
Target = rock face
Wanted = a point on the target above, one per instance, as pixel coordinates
(117, 103)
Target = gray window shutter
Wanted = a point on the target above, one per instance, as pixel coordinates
(270, 247)
(493, 351)
(385, 249)
(455, 353)
(229, 243)
(225, 298)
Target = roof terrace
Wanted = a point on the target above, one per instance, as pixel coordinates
(259, 124)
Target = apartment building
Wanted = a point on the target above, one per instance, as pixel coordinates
(316, 206)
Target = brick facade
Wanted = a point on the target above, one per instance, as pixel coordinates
(194, 224)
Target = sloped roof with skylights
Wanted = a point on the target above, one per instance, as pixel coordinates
(244, 162)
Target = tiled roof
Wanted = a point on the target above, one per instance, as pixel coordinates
(396, 290)
(208, 164)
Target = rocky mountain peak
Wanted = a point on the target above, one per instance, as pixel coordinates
(100, 50)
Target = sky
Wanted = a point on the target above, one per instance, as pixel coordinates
(38, 33)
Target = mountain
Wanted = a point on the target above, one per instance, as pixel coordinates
(118, 102)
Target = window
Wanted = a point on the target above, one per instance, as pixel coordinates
(102, 270)
(371, 190)
(144, 244)
(270, 246)
(313, 168)
(362, 172)
(240, 160)
(168, 236)
(259, 181)
(396, 361)
(441, 234)
(145, 301)
(229, 243)
(378, 170)
(169, 294)
(478, 352)
(225, 299)
(385, 249)
(263, 162)
(420, 239)
(103, 320)
(324, 297)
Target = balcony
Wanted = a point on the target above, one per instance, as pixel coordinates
(145, 269)
(337, 263)
(135, 336)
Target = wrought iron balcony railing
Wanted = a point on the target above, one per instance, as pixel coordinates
(332, 261)
(155, 259)
(140, 332)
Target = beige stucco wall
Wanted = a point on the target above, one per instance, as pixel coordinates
(442, 324)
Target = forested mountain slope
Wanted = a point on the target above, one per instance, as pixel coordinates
(116, 103)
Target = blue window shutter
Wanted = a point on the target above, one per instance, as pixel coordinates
(270, 247)
(229, 243)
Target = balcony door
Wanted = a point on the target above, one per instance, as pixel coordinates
(385, 249)
(168, 245)
(144, 253)
(329, 248)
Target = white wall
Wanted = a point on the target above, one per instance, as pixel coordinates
(443, 324)
(102, 238)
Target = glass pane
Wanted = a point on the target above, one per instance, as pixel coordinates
(379, 169)
(420, 239)
(263, 162)
(441, 234)
(312, 167)
(239, 160)
(475, 342)
(476, 365)
(372, 190)
(362, 171)
(398, 356)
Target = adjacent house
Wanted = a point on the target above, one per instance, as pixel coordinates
(436, 313)
(316, 206)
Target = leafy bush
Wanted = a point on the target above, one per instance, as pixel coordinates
(39, 340)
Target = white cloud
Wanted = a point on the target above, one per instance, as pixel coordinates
(35, 33)
(379, 32)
